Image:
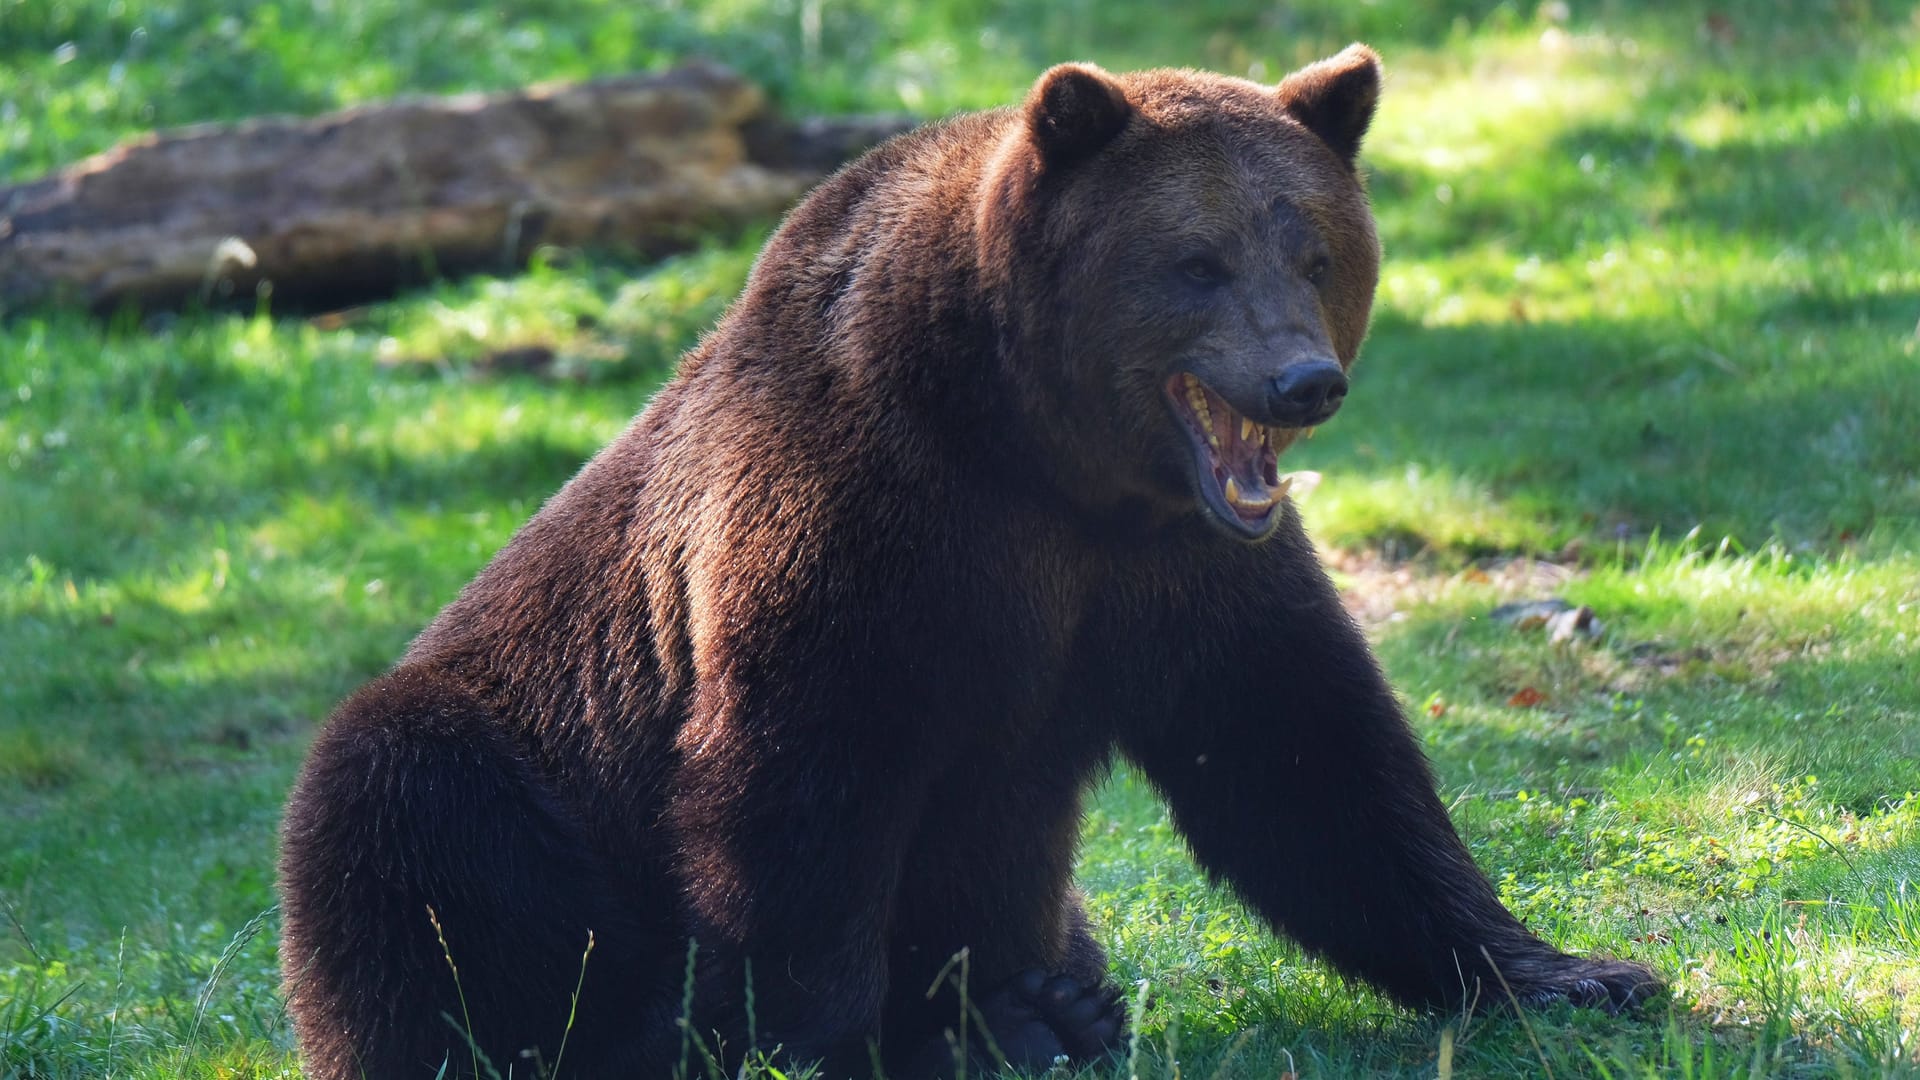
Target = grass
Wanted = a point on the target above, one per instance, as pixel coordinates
(1646, 340)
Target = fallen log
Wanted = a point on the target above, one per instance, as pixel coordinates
(355, 204)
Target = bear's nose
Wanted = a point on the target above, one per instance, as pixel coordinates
(1306, 394)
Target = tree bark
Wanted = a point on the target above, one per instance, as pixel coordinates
(355, 204)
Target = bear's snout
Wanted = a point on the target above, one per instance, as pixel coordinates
(1306, 394)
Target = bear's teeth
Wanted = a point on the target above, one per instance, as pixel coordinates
(1246, 429)
(1197, 398)
(1236, 497)
(1310, 432)
(1286, 483)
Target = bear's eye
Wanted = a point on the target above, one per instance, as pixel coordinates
(1203, 270)
(1318, 269)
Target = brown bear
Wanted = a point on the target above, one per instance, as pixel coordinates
(972, 491)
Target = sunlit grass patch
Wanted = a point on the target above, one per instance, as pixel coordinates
(1422, 511)
(591, 322)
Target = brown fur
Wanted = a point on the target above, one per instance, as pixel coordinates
(814, 663)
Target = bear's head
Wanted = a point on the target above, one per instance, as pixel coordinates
(1186, 263)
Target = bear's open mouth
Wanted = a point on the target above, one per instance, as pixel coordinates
(1237, 460)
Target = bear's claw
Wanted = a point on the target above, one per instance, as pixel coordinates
(1038, 1017)
(1613, 986)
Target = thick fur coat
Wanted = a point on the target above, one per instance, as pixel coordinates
(972, 491)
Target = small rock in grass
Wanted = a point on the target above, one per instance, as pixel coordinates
(1530, 614)
(1563, 622)
(1573, 625)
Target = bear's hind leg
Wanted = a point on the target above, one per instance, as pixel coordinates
(412, 801)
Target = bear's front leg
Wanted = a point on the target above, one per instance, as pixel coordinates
(1293, 775)
(789, 855)
(1032, 1022)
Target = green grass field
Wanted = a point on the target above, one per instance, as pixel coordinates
(1646, 340)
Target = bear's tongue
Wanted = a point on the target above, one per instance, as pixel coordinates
(1241, 454)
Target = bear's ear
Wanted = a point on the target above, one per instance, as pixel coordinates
(1334, 98)
(1073, 111)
